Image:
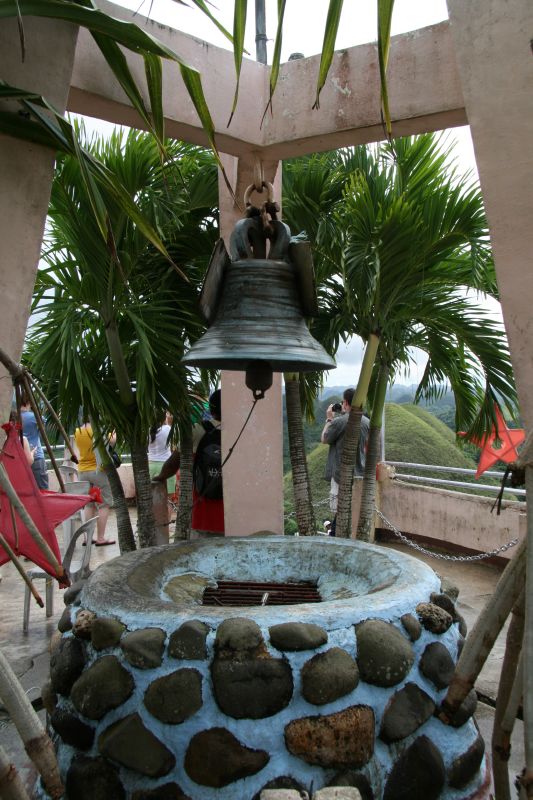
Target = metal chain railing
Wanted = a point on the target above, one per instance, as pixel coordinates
(315, 505)
(443, 556)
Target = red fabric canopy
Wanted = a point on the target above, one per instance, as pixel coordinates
(47, 509)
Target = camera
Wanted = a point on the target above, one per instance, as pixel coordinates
(336, 407)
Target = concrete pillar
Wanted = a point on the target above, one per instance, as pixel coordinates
(253, 476)
(492, 41)
(26, 173)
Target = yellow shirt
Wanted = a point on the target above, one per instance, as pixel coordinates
(84, 442)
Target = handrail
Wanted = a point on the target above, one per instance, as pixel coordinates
(462, 484)
(436, 468)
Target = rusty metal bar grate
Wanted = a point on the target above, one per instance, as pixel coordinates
(250, 593)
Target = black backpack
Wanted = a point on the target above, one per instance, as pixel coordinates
(207, 470)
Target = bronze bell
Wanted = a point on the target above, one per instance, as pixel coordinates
(255, 306)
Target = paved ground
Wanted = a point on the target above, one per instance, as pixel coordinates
(28, 653)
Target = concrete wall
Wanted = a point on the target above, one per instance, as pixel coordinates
(26, 174)
(463, 520)
(126, 476)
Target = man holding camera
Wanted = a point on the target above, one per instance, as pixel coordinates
(333, 435)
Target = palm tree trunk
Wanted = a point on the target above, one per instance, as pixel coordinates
(126, 539)
(348, 457)
(184, 513)
(365, 525)
(143, 491)
(139, 457)
(351, 439)
(303, 502)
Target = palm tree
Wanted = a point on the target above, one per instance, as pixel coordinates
(393, 230)
(112, 330)
(466, 349)
(309, 190)
(412, 232)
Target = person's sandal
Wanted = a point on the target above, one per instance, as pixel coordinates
(104, 543)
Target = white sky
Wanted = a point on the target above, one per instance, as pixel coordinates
(303, 32)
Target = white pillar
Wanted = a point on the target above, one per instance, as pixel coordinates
(253, 476)
(492, 41)
(26, 174)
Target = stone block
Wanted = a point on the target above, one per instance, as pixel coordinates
(384, 655)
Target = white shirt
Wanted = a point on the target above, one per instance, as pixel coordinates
(158, 450)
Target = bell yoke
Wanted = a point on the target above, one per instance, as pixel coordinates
(256, 304)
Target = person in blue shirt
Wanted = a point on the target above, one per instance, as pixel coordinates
(31, 432)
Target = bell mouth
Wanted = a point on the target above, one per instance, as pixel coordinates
(259, 318)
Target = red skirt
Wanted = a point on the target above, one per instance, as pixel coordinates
(207, 515)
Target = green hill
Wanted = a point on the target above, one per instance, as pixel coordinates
(431, 419)
(411, 434)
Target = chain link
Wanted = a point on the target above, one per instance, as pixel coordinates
(444, 556)
(315, 505)
(415, 546)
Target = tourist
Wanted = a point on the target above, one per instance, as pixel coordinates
(90, 470)
(30, 430)
(208, 503)
(333, 435)
(159, 449)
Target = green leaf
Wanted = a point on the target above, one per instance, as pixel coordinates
(193, 83)
(385, 8)
(118, 63)
(276, 58)
(125, 33)
(14, 125)
(328, 45)
(153, 68)
(239, 29)
(95, 198)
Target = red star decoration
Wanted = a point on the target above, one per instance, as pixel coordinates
(509, 439)
(47, 509)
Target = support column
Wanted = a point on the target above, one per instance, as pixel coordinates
(253, 476)
(492, 43)
(26, 172)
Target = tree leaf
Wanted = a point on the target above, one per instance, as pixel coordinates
(276, 58)
(193, 82)
(328, 45)
(203, 7)
(385, 8)
(239, 29)
(119, 65)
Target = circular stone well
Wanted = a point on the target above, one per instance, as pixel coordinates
(158, 696)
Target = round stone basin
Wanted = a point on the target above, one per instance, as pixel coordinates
(160, 696)
(345, 573)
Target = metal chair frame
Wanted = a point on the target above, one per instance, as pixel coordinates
(83, 571)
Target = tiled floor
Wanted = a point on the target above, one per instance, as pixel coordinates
(28, 653)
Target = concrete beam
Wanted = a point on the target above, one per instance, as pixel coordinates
(493, 46)
(424, 88)
(95, 92)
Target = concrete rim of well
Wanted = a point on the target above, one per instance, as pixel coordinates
(354, 578)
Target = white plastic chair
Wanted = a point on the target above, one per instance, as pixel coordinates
(75, 487)
(75, 572)
(69, 473)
